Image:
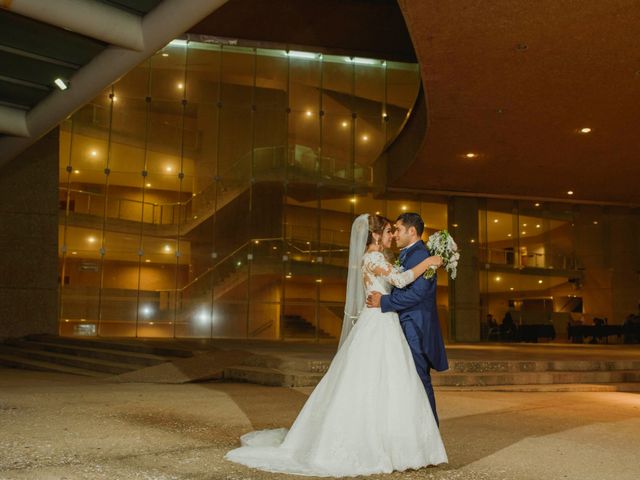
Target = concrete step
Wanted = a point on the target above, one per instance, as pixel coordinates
(473, 366)
(152, 347)
(535, 378)
(272, 376)
(93, 364)
(118, 356)
(288, 363)
(560, 387)
(14, 361)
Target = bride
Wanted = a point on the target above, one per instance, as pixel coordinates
(370, 413)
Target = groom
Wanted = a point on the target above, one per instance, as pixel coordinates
(416, 305)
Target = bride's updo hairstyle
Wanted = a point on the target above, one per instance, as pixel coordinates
(376, 225)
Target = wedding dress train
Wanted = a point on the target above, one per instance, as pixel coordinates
(369, 414)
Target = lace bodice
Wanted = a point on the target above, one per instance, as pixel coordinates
(379, 275)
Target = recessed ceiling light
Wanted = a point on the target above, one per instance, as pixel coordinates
(180, 86)
(169, 168)
(524, 233)
(147, 261)
(471, 155)
(352, 200)
(536, 205)
(498, 279)
(508, 234)
(539, 281)
(455, 225)
(344, 124)
(538, 225)
(365, 138)
(473, 241)
(76, 171)
(377, 213)
(404, 207)
(585, 130)
(524, 224)
(148, 184)
(94, 153)
(91, 239)
(511, 288)
(495, 220)
(308, 113)
(570, 192)
(165, 54)
(595, 222)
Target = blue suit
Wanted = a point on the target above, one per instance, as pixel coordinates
(416, 307)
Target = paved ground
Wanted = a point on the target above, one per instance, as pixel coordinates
(56, 426)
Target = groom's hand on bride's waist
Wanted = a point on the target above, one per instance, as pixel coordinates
(373, 300)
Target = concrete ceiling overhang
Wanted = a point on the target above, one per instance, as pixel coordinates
(513, 82)
(87, 44)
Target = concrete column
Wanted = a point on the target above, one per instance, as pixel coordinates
(29, 241)
(625, 263)
(464, 292)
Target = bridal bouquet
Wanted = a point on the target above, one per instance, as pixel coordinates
(441, 243)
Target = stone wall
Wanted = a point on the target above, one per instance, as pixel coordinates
(29, 241)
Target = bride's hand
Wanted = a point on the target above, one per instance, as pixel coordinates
(436, 261)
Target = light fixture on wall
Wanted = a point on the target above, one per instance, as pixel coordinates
(61, 84)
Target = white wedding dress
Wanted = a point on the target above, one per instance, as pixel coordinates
(369, 414)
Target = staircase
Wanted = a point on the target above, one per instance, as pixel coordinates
(86, 357)
(511, 375)
(295, 326)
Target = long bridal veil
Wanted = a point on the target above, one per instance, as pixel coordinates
(355, 296)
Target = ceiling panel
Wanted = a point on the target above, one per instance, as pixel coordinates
(38, 38)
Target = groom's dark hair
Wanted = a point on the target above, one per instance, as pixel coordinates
(410, 219)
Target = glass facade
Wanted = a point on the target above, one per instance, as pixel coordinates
(210, 192)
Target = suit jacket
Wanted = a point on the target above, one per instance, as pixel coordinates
(416, 303)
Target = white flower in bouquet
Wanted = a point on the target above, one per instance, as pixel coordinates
(442, 244)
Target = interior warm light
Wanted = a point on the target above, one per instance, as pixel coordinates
(274, 248)
(168, 169)
(147, 261)
(91, 239)
(595, 222)
(167, 248)
(384, 115)
(524, 233)
(524, 224)
(455, 225)
(352, 200)
(498, 279)
(471, 155)
(539, 281)
(308, 113)
(404, 207)
(114, 98)
(536, 205)
(76, 171)
(344, 124)
(511, 288)
(257, 242)
(538, 225)
(93, 153)
(508, 234)
(495, 220)
(318, 280)
(473, 241)
(195, 217)
(180, 86)
(165, 54)
(148, 184)
(585, 130)
(287, 276)
(365, 138)
(377, 213)
(570, 192)
(74, 253)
